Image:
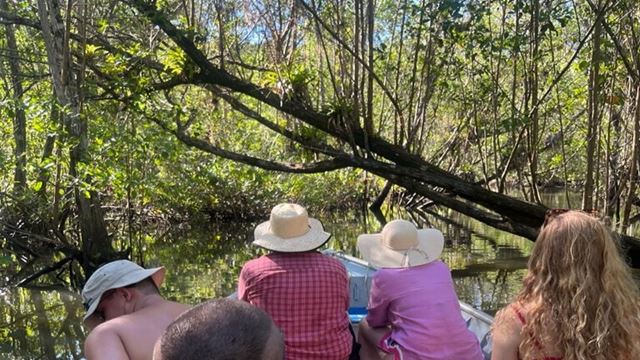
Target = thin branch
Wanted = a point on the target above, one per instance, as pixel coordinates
(306, 141)
(335, 36)
(46, 270)
(300, 168)
(583, 41)
(614, 38)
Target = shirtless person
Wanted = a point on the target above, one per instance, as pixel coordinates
(125, 311)
(221, 329)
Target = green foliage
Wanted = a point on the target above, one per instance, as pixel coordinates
(5, 260)
(458, 71)
(174, 60)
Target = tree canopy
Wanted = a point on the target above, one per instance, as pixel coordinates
(474, 105)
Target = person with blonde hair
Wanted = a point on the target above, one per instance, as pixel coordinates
(578, 300)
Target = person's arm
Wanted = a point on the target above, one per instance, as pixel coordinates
(378, 306)
(505, 336)
(104, 343)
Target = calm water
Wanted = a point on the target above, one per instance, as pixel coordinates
(487, 265)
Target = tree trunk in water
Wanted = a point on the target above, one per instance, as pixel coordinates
(42, 324)
(19, 118)
(71, 325)
(96, 246)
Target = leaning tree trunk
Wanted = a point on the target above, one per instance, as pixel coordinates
(389, 161)
(96, 246)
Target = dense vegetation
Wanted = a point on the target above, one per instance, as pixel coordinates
(127, 112)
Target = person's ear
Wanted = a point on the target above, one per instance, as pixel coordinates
(127, 293)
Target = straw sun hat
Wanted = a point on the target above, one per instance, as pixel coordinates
(400, 244)
(114, 275)
(290, 229)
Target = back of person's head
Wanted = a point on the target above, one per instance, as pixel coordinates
(221, 329)
(146, 287)
(579, 291)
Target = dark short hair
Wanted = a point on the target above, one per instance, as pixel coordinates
(218, 329)
(146, 286)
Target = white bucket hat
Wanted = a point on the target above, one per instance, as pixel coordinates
(114, 275)
(290, 229)
(400, 244)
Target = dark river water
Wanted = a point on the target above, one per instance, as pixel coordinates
(203, 263)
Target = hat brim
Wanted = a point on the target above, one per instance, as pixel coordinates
(428, 249)
(156, 274)
(313, 239)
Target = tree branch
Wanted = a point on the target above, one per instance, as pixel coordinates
(306, 141)
(9, 18)
(300, 168)
(45, 271)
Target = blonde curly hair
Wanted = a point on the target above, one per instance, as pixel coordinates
(579, 294)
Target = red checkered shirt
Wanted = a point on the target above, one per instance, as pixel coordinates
(307, 295)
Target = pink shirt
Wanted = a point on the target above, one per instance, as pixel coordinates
(307, 295)
(421, 305)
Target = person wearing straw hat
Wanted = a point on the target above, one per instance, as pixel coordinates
(125, 311)
(413, 310)
(305, 292)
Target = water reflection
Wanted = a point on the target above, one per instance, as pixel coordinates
(40, 325)
(204, 261)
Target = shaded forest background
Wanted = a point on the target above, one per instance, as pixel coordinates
(125, 114)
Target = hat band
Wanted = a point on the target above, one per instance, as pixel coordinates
(278, 232)
(405, 258)
(388, 246)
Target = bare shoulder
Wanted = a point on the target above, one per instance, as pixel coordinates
(506, 322)
(105, 342)
(132, 336)
(506, 334)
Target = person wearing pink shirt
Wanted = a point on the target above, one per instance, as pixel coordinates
(413, 310)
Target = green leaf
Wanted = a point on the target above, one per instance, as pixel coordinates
(5, 260)
(583, 65)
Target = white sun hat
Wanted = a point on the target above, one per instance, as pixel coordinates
(400, 244)
(290, 229)
(114, 275)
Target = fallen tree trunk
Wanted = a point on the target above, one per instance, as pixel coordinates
(389, 161)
